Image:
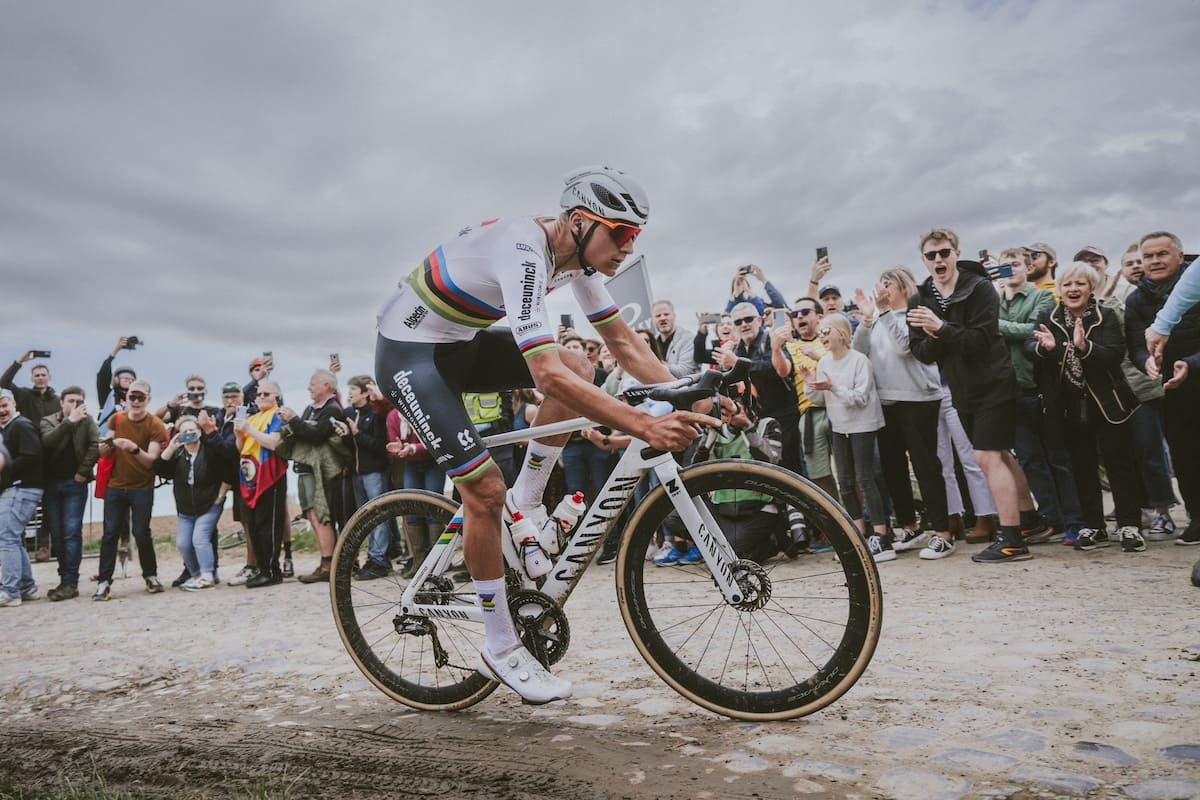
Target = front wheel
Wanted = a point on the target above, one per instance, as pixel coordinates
(804, 630)
(424, 662)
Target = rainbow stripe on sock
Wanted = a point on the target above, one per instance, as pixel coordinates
(488, 601)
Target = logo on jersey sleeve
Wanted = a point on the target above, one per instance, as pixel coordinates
(414, 319)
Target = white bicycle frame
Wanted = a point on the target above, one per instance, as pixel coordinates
(591, 530)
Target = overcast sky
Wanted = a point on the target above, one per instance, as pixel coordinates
(223, 178)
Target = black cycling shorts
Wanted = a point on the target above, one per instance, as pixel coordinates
(425, 382)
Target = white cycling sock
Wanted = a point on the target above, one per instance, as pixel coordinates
(535, 472)
(498, 631)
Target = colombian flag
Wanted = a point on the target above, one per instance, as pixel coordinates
(260, 468)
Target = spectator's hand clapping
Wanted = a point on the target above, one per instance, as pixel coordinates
(924, 318)
(1079, 338)
(1045, 339)
(865, 304)
(1178, 376)
(287, 414)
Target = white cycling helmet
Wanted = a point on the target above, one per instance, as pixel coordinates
(607, 193)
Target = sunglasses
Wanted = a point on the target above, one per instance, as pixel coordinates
(195, 388)
(266, 394)
(945, 252)
(622, 233)
(744, 320)
(825, 331)
(801, 312)
(135, 397)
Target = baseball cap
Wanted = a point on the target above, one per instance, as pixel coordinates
(830, 289)
(258, 362)
(119, 371)
(231, 387)
(1042, 247)
(1091, 250)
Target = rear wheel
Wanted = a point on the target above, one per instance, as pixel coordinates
(803, 630)
(423, 662)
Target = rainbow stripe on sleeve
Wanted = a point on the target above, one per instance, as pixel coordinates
(604, 317)
(472, 469)
(433, 284)
(538, 344)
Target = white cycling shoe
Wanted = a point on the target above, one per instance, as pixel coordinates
(525, 675)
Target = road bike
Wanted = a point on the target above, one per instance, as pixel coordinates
(755, 640)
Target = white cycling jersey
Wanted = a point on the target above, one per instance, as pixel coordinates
(502, 267)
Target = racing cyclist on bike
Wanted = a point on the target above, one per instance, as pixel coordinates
(437, 340)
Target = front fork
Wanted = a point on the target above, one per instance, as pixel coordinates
(703, 529)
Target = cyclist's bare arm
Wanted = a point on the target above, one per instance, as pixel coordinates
(555, 379)
(632, 353)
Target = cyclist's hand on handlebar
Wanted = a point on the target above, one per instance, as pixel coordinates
(677, 430)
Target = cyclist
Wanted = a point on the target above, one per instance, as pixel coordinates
(437, 340)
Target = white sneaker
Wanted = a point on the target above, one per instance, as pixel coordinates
(7, 600)
(525, 675)
(881, 549)
(244, 574)
(1161, 529)
(196, 584)
(937, 548)
(1131, 539)
(655, 553)
(29, 594)
(904, 539)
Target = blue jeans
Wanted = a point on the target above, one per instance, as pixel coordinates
(123, 509)
(423, 475)
(194, 538)
(63, 504)
(366, 487)
(586, 466)
(1150, 452)
(17, 507)
(1047, 468)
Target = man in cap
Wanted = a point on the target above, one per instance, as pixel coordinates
(831, 300)
(1042, 263)
(136, 437)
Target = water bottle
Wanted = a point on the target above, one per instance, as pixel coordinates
(564, 519)
(525, 537)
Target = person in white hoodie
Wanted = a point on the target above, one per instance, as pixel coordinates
(911, 394)
(844, 380)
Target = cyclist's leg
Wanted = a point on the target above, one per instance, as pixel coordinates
(418, 376)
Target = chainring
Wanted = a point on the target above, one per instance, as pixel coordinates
(541, 624)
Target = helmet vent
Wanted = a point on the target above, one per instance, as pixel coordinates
(608, 198)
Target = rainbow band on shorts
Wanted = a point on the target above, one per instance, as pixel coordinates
(472, 469)
(437, 289)
(604, 317)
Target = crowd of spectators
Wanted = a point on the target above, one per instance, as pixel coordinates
(989, 401)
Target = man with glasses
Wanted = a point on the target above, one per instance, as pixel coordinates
(220, 436)
(1040, 451)
(436, 341)
(801, 353)
(135, 439)
(189, 403)
(1042, 263)
(954, 322)
(776, 394)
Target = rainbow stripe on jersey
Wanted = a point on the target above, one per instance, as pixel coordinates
(433, 284)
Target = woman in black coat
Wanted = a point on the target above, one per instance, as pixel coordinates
(1076, 349)
(195, 468)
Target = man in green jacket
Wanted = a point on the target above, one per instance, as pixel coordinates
(1039, 451)
(71, 442)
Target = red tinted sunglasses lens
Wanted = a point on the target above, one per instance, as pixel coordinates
(624, 234)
